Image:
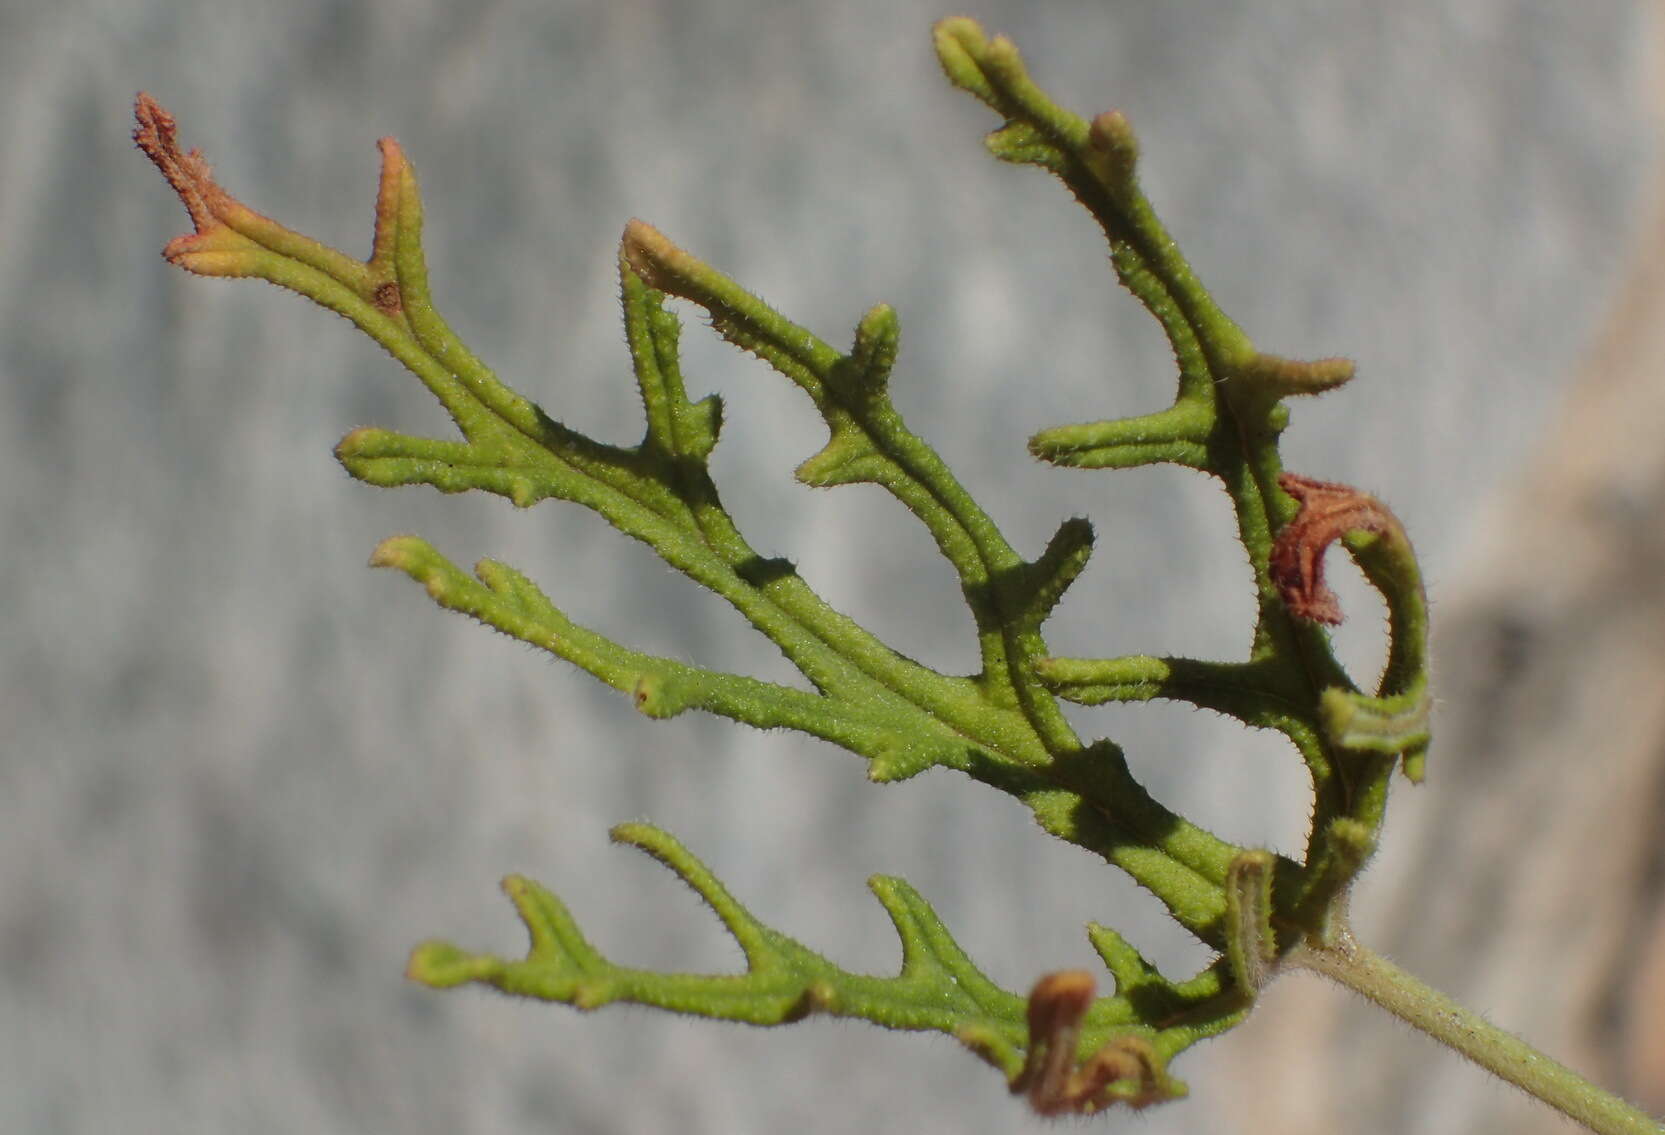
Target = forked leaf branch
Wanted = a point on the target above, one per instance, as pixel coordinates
(1063, 1046)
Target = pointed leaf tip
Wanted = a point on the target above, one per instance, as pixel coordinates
(1114, 152)
(1126, 964)
(962, 31)
(157, 134)
(1111, 132)
(878, 336)
(634, 833)
(902, 758)
(1281, 377)
(395, 170)
(440, 965)
(1002, 55)
(357, 441)
(961, 45)
(959, 40)
(1069, 547)
(1035, 588)
(398, 552)
(649, 252)
(848, 458)
(864, 373)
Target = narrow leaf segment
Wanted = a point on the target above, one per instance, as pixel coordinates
(937, 987)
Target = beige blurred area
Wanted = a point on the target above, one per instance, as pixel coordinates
(1527, 877)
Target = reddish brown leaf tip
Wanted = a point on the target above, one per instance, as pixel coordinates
(1328, 511)
(1124, 1071)
(1056, 1006)
(1059, 1001)
(157, 134)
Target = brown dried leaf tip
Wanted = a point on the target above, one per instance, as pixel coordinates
(1328, 511)
(232, 239)
(222, 244)
(157, 134)
(1124, 1071)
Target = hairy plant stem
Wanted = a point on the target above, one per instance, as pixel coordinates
(1462, 1029)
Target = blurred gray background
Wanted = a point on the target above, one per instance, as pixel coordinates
(240, 775)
